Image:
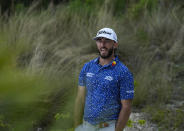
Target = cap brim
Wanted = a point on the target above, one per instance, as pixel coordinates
(95, 38)
(104, 36)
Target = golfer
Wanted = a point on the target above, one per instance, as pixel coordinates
(105, 90)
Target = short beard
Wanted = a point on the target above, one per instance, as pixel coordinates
(110, 51)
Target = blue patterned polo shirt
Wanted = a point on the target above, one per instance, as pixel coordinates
(105, 86)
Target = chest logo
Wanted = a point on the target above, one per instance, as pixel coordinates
(110, 78)
(89, 74)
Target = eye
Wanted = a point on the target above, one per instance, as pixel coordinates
(104, 40)
(107, 40)
(99, 39)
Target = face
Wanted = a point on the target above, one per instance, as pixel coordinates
(105, 47)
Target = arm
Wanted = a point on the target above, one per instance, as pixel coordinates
(79, 106)
(123, 115)
(126, 96)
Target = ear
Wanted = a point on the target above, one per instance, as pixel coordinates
(115, 45)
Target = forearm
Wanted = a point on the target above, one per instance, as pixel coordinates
(123, 118)
(78, 112)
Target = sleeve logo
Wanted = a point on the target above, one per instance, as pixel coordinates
(90, 74)
(131, 91)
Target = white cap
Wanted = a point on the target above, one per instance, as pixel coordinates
(106, 33)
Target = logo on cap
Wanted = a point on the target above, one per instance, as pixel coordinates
(104, 32)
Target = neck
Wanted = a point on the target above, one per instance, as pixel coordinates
(106, 61)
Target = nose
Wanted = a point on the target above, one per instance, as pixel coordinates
(102, 43)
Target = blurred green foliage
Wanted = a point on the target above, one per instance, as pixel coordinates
(141, 122)
(19, 92)
(28, 98)
(142, 6)
(43, 50)
(130, 123)
(167, 119)
(19, 7)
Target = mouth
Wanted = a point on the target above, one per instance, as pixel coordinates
(103, 49)
(105, 52)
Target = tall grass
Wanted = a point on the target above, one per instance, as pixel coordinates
(58, 41)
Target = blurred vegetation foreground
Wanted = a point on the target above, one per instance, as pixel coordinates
(44, 44)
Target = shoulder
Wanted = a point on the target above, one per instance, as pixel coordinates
(123, 69)
(88, 64)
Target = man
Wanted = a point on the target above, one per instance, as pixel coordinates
(105, 91)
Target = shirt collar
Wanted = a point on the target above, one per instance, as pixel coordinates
(96, 60)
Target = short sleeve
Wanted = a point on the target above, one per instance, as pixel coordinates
(126, 86)
(82, 77)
